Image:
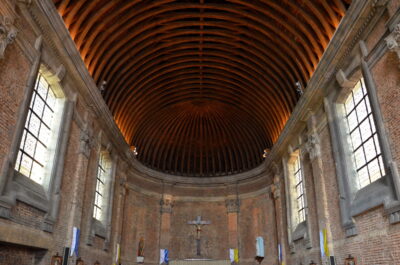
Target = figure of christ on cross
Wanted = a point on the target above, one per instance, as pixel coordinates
(198, 223)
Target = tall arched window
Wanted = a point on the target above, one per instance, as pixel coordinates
(363, 138)
(299, 188)
(102, 186)
(296, 198)
(38, 144)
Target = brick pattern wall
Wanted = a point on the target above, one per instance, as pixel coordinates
(256, 218)
(139, 216)
(214, 237)
(26, 215)
(14, 70)
(141, 219)
(13, 255)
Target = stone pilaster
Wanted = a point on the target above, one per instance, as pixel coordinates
(313, 149)
(276, 190)
(232, 204)
(77, 180)
(166, 206)
(119, 211)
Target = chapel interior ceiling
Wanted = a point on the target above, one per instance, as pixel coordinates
(201, 87)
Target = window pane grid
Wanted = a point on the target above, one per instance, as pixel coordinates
(100, 188)
(36, 138)
(300, 191)
(363, 136)
(33, 150)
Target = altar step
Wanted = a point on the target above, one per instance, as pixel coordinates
(199, 262)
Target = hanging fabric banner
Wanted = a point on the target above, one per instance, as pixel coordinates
(75, 242)
(117, 255)
(232, 255)
(280, 253)
(326, 248)
(236, 255)
(260, 246)
(166, 253)
(321, 243)
(164, 256)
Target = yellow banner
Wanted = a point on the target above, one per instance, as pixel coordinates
(326, 248)
(236, 255)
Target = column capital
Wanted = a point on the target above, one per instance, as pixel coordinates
(276, 187)
(232, 205)
(86, 142)
(166, 204)
(393, 40)
(8, 33)
(313, 145)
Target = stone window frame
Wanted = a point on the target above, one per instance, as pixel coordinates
(57, 111)
(300, 196)
(104, 168)
(102, 228)
(13, 185)
(296, 230)
(361, 144)
(384, 191)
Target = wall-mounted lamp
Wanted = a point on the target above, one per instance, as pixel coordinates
(134, 150)
(299, 88)
(266, 151)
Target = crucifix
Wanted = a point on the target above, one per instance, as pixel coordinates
(198, 223)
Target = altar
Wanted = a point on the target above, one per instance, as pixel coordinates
(199, 262)
(198, 224)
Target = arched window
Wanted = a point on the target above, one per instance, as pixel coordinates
(296, 197)
(363, 139)
(39, 139)
(102, 186)
(299, 188)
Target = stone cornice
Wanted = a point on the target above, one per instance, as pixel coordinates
(223, 180)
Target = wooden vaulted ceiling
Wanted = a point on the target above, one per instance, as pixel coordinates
(201, 87)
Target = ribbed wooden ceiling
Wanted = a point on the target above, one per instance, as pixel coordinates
(201, 87)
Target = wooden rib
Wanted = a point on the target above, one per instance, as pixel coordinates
(181, 74)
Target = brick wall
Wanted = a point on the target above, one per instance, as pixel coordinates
(137, 213)
(13, 254)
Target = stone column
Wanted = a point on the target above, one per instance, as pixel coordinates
(277, 200)
(78, 178)
(120, 190)
(54, 194)
(166, 205)
(313, 149)
(88, 227)
(232, 204)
